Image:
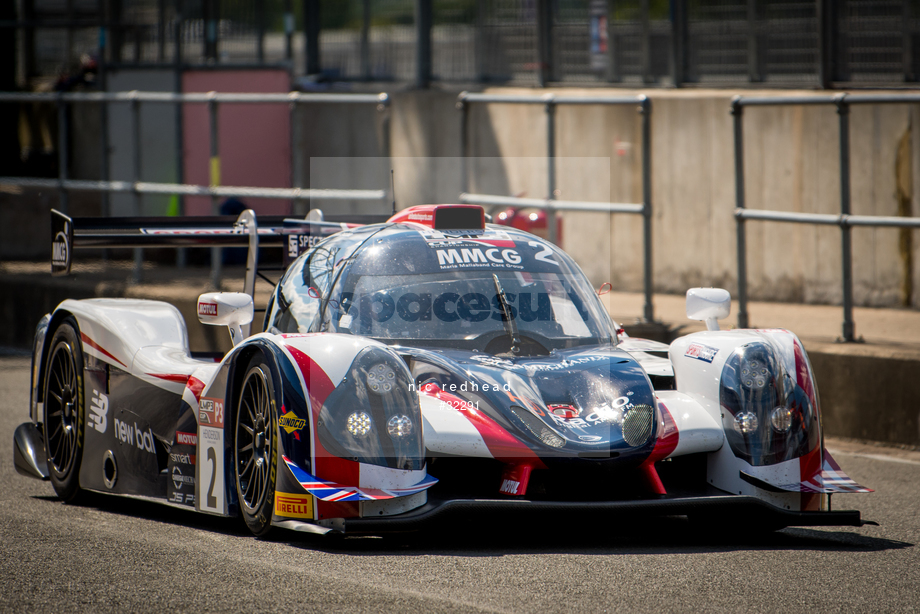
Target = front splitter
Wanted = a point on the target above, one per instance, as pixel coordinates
(443, 511)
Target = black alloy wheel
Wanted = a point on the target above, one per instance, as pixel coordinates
(256, 446)
(63, 410)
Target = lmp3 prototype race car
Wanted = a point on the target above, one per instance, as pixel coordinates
(408, 371)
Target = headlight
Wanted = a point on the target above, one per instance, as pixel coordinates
(381, 379)
(373, 415)
(767, 417)
(781, 419)
(358, 424)
(399, 426)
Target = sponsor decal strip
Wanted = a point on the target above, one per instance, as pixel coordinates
(100, 349)
(294, 505)
(330, 491)
(831, 479)
(701, 352)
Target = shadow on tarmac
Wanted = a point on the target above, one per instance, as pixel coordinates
(621, 536)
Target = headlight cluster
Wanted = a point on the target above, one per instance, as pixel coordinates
(373, 416)
(768, 418)
(358, 424)
(381, 379)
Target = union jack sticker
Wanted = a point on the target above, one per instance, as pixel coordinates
(831, 479)
(330, 491)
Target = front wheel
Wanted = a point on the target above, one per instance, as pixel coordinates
(255, 455)
(63, 410)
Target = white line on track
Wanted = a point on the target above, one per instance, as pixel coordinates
(878, 457)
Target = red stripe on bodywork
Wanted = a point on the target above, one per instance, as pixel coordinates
(502, 445)
(171, 377)
(802, 375)
(811, 464)
(328, 466)
(195, 385)
(99, 348)
(668, 436)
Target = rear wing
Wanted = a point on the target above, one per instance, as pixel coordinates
(293, 235)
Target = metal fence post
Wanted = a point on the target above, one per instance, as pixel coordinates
(216, 252)
(63, 144)
(366, 41)
(679, 36)
(260, 34)
(755, 74)
(464, 108)
(136, 161)
(311, 28)
(645, 109)
(551, 219)
(211, 19)
(288, 30)
(827, 42)
(383, 108)
(297, 206)
(423, 21)
(613, 66)
(843, 112)
(646, 45)
(738, 117)
(181, 254)
(545, 42)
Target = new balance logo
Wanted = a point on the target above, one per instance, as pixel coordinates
(98, 418)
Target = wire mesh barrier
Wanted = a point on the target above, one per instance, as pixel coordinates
(845, 220)
(816, 42)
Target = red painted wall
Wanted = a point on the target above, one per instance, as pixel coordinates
(254, 139)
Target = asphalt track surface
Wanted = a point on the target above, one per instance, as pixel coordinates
(107, 554)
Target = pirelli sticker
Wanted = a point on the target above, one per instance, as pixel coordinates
(294, 505)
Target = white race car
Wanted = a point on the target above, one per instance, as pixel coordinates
(414, 370)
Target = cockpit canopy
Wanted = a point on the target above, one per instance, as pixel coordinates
(408, 285)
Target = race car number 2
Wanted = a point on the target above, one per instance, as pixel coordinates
(210, 482)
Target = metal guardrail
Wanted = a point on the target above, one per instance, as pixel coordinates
(212, 99)
(845, 220)
(550, 204)
(146, 187)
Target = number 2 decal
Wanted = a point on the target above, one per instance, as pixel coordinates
(212, 459)
(211, 471)
(543, 255)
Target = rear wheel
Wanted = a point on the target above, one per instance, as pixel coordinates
(256, 446)
(63, 410)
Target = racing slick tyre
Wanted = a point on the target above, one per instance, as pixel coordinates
(63, 410)
(255, 450)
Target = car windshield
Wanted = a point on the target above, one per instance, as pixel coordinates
(402, 293)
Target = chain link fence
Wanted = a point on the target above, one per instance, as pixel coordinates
(528, 42)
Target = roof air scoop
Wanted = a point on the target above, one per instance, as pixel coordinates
(444, 217)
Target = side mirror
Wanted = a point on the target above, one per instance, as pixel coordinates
(708, 305)
(230, 309)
